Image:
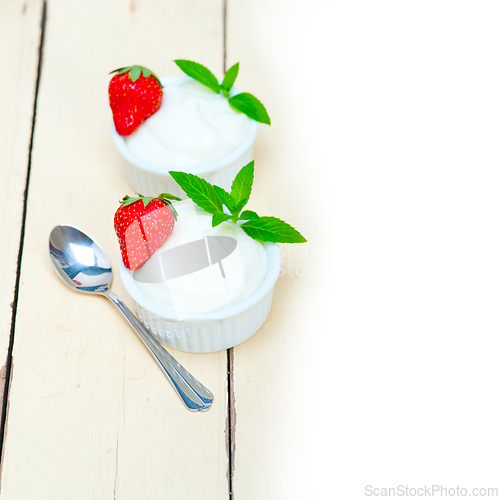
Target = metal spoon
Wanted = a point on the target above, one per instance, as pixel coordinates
(85, 267)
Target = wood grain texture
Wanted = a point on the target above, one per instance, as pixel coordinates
(19, 41)
(91, 415)
(269, 368)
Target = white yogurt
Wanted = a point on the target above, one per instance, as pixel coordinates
(192, 127)
(210, 288)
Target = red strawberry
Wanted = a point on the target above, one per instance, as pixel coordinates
(135, 94)
(142, 225)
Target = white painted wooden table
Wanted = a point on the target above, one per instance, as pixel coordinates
(378, 364)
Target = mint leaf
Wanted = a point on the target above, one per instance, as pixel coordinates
(199, 73)
(240, 206)
(168, 196)
(200, 191)
(245, 103)
(230, 78)
(249, 215)
(226, 198)
(250, 106)
(242, 184)
(273, 230)
(218, 218)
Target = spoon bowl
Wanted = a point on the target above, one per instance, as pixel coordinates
(84, 266)
(75, 254)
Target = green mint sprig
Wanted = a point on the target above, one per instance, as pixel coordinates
(212, 199)
(245, 103)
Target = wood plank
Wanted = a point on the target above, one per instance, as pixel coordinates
(384, 135)
(91, 415)
(269, 368)
(19, 41)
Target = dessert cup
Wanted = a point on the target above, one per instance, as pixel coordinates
(212, 331)
(147, 178)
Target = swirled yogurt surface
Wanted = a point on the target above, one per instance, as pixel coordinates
(230, 274)
(193, 126)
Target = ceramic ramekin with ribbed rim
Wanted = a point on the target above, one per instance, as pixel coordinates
(148, 178)
(213, 331)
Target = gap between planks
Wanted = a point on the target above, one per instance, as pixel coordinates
(6, 372)
(231, 419)
(231, 400)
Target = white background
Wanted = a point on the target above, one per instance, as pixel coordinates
(403, 117)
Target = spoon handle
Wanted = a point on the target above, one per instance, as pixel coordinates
(194, 395)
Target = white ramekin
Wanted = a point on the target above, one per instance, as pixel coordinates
(212, 331)
(151, 179)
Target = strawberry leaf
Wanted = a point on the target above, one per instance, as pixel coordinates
(146, 200)
(129, 200)
(199, 73)
(168, 196)
(135, 73)
(273, 230)
(250, 106)
(119, 71)
(199, 191)
(172, 208)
